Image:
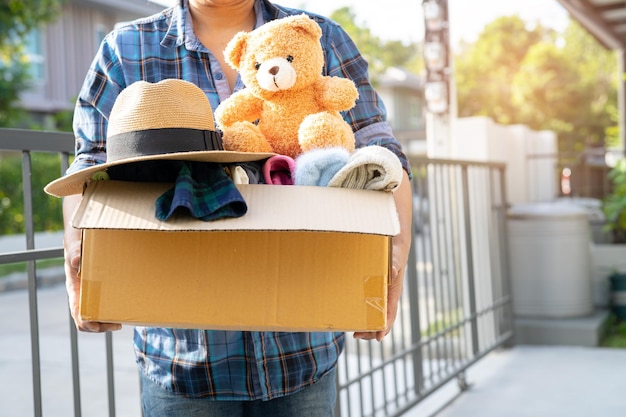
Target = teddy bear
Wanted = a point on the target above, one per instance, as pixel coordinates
(297, 108)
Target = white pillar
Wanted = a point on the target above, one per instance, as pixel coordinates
(438, 136)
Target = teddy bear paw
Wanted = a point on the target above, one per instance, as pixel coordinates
(325, 130)
(245, 137)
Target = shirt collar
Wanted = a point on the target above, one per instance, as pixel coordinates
(180, 30)
(174, 34)
(270, 11)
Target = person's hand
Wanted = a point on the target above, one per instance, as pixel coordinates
(394, 291)
(72, 246)
(400, 253)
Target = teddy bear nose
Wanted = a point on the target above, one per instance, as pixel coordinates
(274, 70)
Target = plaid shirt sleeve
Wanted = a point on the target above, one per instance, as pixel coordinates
(100, 89)
(368, 117)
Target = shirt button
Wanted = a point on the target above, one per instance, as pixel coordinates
(219, 76)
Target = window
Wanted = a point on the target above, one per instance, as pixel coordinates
(35, 56)
(416, 118)
(101, 32)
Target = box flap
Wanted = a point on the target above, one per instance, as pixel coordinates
(131, 206)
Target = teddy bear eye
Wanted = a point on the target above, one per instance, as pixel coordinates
(257, 66)
(289, 58)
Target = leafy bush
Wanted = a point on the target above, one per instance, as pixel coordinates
(47, 214)
(615, 203)
(615, 336)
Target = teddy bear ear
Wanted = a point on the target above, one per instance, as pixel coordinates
(307, 24)
(235, 49)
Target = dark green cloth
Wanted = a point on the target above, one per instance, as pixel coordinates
(205, 191)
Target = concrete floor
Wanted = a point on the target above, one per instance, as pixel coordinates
(541, 381)
(16, 386)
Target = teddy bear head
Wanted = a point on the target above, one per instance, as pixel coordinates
(284, 54)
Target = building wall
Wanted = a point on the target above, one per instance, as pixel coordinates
(69, 45)
(405, 114)
(530, 156)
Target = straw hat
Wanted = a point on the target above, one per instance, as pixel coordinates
(168, 120)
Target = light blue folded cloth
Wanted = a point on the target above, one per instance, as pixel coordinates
(318, 166)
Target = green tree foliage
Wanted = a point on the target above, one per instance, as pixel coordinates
(13, 79)
(485, 71)
(378, 53)
(546, 91)
(17, 19)
(597, 80)
(615, 204)
(570, 89)
(516, 74)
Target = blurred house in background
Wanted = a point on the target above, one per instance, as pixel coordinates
(403, 95)
(60, 53)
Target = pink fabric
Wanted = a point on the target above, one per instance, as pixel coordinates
(279, 170)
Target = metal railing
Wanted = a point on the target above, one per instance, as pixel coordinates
(455, 308)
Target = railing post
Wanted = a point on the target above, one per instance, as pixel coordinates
(110, 379)
(73, 331)
(416, 331)
(505, 256)
(470, 261)
(75, 367)
(32, 281)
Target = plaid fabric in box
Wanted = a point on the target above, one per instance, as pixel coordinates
(205, 190)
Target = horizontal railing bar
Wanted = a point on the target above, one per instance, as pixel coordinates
(30, 255)
(423, 342)
(468, 319)
(36, 140)
(423, 161)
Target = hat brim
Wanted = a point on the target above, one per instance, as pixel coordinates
(74, 183)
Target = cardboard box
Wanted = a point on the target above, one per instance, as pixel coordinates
(301, 259)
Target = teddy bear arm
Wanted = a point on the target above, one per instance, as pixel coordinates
(241, 106)
(337, 94)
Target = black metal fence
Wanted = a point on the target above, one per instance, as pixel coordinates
(455, 309)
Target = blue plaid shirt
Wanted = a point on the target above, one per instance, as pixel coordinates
(223, 365)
